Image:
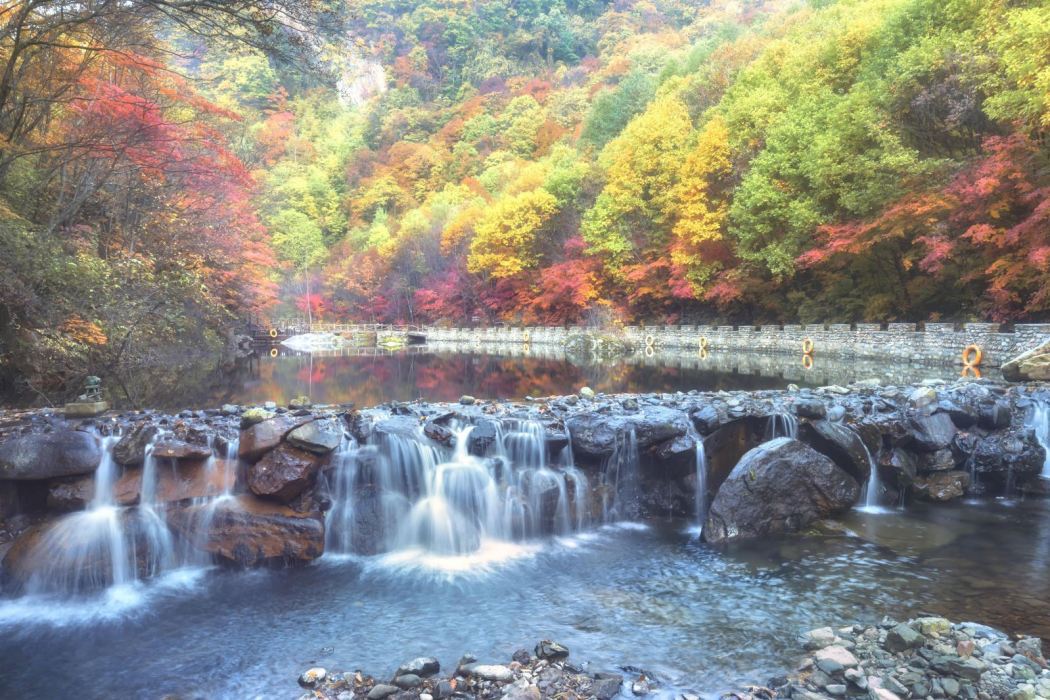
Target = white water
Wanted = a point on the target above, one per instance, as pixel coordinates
(782, 425)
(422, 505)
(1040, 422)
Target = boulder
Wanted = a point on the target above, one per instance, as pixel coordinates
(76, 493)
(482, 437)
(1033, 365)
(320, 436)
(423, 667)
(186, 481)
(780, 486)
(37, 456)
(130, 450)
(260, 438)
(283, 473)
(250, 532)
(842, 445)
(930, 432)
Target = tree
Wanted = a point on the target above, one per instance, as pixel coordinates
(505, 238)
(299, 242)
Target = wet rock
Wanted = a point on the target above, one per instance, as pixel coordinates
(706, 419)
(283, 473)
(780, 486)
(467, 400)
(482, 437)
(930, 432)
(587, 393)
(923, 396)
(423, 666)
(319, 437)
(76, 493)
(939, 461)
(810, 408)
(250, 532)
(551, 651)
(522, 690)
(942, 486)
(438, 432)
(841, 656)
(130, 450)
(58, 453)
(606, 685)
(264, 436)
(400, 426)
(597, 435)
(253, 416)
(408, 681)
(995, 416)
(842, 445)
(179, 449)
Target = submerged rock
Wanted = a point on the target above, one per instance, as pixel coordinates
(58, 453)
(780, 486)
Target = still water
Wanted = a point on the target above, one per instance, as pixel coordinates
(446, 371)
(645, 595)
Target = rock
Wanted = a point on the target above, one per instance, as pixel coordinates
(810, 408)
(942, 486)
(283, 473)
(300, 402)
(1033, 365)
(130, 450)
(951, 687)
(903, 637)
(597, 435)
(38, 456)
(482, 437)
(467, 400)
(320, 436)
(551, 651)
(76, 493)
(970, 669)
(169, 448)
(250, 532)
(381, 690)
(842, 445)
(933, 626)
(883, 694)
(438, 433)
(492, 672)
(706, 419)
(923, 396)
(995, 416)
(587, 393)
(311, 678)
(255, 415)
(606, 685)
(837, 654)
(939, 461)
(265, 435)
(408, 681)
(780, 486)
(819, 638)
(932, 432)
(522, 690)
(423, 666)
(229, 409)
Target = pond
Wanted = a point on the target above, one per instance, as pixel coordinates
(446, 371)
(647, 595)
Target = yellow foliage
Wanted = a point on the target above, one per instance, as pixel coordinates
(505, 237)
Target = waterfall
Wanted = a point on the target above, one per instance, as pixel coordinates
(701, 484)
(782, 425)
(620, 478)
(401, 492)
(1040, 422)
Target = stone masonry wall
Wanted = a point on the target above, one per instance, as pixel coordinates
(935, 343)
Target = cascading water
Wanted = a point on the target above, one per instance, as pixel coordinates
(1040, 422)
(620, 478)
(782, 425)
(403, 493)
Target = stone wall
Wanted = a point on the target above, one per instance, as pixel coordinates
(934, 343)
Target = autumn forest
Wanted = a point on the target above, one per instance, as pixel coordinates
(168, 168)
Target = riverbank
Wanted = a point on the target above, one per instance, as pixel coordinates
(921, 658)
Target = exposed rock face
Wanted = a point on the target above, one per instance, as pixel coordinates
(262, 437)
(250, 532)
(130, 450)
(942, 486)
(283, 473)
(1033, 365)
(58, 453)
(780, 486)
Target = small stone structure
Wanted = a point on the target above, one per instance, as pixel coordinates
(934, 343)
